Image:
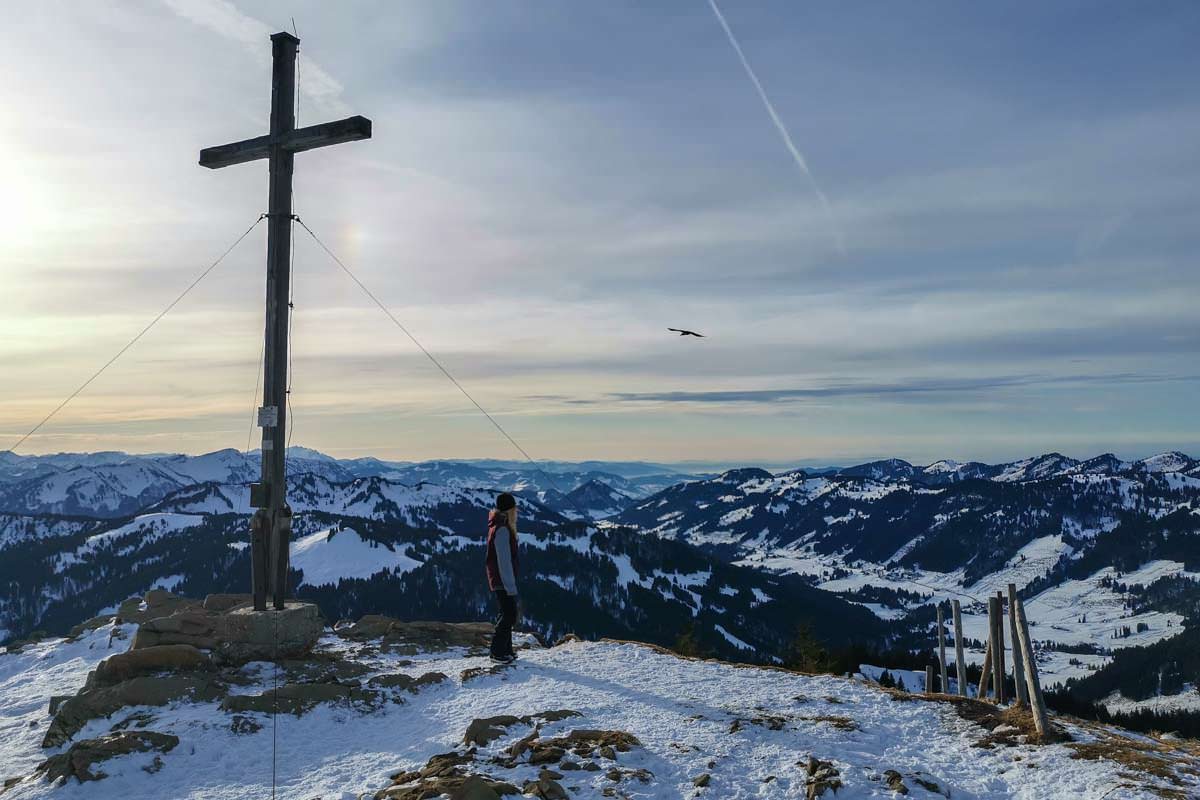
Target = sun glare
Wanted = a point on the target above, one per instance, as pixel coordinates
(26, 207)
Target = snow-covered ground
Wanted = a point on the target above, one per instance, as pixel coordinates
(1077, 612)
(752, 730)
(327, 557)
(1187, 700)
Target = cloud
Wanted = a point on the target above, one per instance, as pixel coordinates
(797, 156)
(935, 387)
(223, 18)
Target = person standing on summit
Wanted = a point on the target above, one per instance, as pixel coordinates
(502, 570)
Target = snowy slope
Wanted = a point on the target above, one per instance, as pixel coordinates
(751, 730)
(329, 556)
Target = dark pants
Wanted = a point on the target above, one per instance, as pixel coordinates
(502, 638)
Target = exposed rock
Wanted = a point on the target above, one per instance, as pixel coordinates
(769, 721)
(297, 698)
(474, 788)
(244, 634)
(138, 719)
(445, 774)
(90, 625)
(822, 776)
(424, 635)
(20, 644)
(79, 760)
(407, 682)
(191, 625)
(74, 712)
(471, 673)
(583, 742)
(701, 780)
(157, 603)
(132, 663)
(484, 731)
(546, 788)
(524, 743)
(226, 602)
(929, 785)
(243, 725)
(895, 781)
(225, 623)
(545, 754)
(324, 668)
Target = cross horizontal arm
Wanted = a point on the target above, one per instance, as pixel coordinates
(327, 133)
(349, 129)
(226, 155)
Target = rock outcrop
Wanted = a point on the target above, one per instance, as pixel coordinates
(79, 762)
(226, 624)
(420, 636)
(75, 712)
(147, 661)
(297, 698)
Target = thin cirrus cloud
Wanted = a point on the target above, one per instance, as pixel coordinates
(915, 388)
(784, 134)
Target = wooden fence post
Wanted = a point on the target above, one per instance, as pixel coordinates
(959, 664)
(987, 672)
(945, 687)
(997, 675)
(1036, 704)
(998, 664)
(929, 679)
(1018, 660)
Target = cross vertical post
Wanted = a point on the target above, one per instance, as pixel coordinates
(270, 528)
(279, 279)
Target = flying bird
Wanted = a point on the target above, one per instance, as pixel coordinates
(682, 332)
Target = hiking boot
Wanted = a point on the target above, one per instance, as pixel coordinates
(508, 659)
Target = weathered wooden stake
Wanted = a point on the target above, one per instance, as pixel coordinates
(1018, 661)
(1036, 703)
(942, 650)
(998, 663)
(960, 665)
(987, 671)
(991, 639)
(929, 688)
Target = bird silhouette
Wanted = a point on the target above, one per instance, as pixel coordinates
(682, 332)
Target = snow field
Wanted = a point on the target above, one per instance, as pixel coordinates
(683, 711)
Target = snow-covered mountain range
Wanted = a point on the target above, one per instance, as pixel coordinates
(115, 484)
(1105, 551)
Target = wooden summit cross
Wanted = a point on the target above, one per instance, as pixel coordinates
(270, 529)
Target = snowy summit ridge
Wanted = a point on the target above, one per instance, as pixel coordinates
(416, 710)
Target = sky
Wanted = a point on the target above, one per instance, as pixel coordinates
(935, 230)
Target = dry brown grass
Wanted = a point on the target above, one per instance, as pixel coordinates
(1007, 726)
(1169, 760)
(839, 722)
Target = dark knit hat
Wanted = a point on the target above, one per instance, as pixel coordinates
(505, 501)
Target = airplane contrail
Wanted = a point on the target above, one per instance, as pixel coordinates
(797, 156)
